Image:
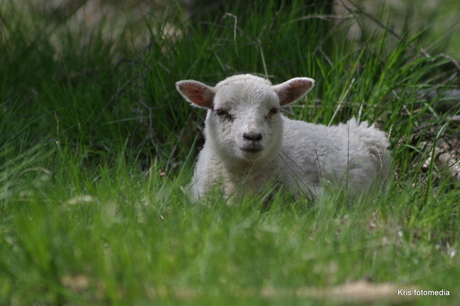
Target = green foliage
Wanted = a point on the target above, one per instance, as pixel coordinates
(96, 146)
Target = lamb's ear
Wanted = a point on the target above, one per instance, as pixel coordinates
(197, 93)
(293, 90)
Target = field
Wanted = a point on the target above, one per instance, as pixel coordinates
(96, 146)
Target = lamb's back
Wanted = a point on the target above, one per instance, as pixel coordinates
(353, 152)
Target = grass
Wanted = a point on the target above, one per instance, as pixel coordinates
(96, 144)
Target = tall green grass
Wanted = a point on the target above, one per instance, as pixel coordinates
(96, 146)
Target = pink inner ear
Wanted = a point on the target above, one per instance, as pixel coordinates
(198, 94)
(293, 90)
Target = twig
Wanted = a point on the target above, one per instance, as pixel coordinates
(378, 22)
(254, 41)
(324, 17)
(272, 24)
(235, 26)
(263, 58)
(360, 111)
(325, 56)
(320, 45)
(451, 59)
(339, 106)
(112, 99)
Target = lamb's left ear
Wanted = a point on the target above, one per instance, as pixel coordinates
(293, 90)
(199, 94)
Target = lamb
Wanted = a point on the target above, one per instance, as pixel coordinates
(249, 144)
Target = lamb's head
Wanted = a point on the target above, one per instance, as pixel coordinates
(244, 120)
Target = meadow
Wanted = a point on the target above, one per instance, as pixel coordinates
(96, 146)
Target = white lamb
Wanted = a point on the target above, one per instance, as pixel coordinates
(250, 144)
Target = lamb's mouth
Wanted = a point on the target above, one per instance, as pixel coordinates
(251, 150)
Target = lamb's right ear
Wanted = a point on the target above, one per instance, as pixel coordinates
(293, 89)
(197, 93)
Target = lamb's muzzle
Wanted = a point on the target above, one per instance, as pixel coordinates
(252, 142)
(253, 136)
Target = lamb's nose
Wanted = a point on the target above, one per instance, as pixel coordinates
(254, 136)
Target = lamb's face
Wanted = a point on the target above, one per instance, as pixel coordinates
(245, 122)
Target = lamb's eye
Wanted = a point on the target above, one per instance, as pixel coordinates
(224, 114)
(273, 111)
(221, 112)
